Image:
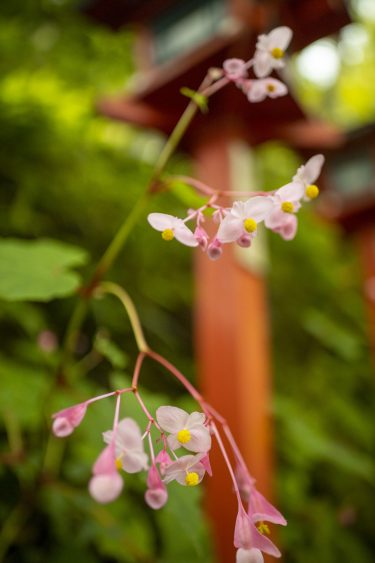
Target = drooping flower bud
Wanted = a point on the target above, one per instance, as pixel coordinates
(67, 420)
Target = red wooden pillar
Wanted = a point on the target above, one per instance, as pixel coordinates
(366, 237)
(232, 344)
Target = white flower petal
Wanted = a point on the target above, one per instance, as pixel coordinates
(274, 219)
(258, 207)
(197, 468)
(278, 88)
(173, 443)
(291, 192)
(195, 418)
(133, 462)
(230, 229)
(312, 168)
(280, 37)
(184, 235)
(262, 64)
(172, 419)
(257, 91)
(200, 440)
(161, 221)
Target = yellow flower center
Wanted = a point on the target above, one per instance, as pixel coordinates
(271, 87)
(287, 207)
(118, 463)
(184, 436)
(192, 479)
(167, 234)
(250, 225)
(312, 191)
(263, 528)
(277, 53)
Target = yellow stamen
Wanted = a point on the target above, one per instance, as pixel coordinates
(271, 87)
(250, 225)
(277, 53)
(192, 479)
(312, 191)
(263, 528)
(287, 207)
(184, 436)
(167, 234)
(118, 463)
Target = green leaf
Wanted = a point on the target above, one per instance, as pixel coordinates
(38, 270)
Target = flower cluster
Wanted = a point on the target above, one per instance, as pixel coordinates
(269, 56)
(188, 434)
(239, 223)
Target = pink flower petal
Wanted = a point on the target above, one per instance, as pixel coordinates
(235, 69)
(262, 510)
(263, 543)
(153, 479)
(106, 462)
(106, 488)
(62, 427)
(205, 461)
(67, 420)
(172, 419)
(242, 531)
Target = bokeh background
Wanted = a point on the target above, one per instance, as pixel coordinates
(69, 174)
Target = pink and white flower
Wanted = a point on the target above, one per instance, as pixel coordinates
(243, 218)
(187, 430)
(172, 227)
(106, 484)
(307, 174)
(235, 69)
(215, 249)
(188, 470)
(259, 90)
(67, 420)
(128, 445)
(270, 50)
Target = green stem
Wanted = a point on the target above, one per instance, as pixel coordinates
(122, 234)
(122, 295)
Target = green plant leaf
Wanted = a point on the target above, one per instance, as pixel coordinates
(38, 270)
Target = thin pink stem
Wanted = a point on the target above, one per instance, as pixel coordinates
(147, 431)
(119, 392)
(137, 369)
(117, 414)
(152, 453)
(207, 190)
(228, 463)
(174, 371)
(147, 412)
(235, 448)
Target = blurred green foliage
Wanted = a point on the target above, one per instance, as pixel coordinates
(68, 174)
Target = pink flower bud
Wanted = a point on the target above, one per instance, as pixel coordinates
(201, 237)
(106, 462)
(234, 69)
(163, 459)
(249, 556)
(106, 488)
(243, 530)
(156, 498)
(244, 241)
(67, 420)
(214, 250)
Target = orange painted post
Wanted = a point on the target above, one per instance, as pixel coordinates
(232, 346)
